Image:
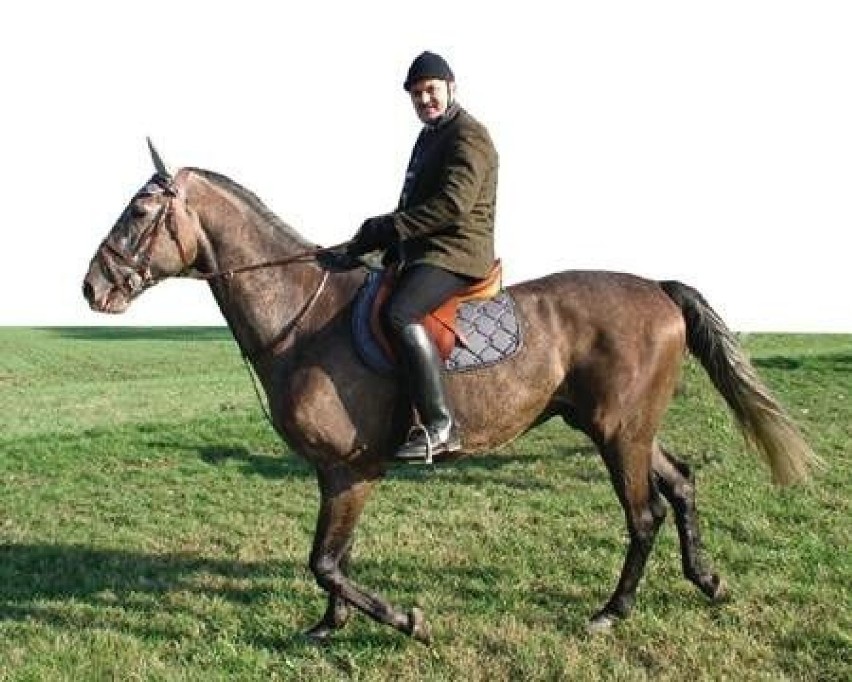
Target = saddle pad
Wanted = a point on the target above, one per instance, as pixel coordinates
(489, 331)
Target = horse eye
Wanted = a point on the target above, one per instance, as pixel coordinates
(138, 211)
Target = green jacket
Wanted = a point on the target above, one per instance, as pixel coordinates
(446, 212)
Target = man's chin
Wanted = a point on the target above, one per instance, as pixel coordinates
(429, 116)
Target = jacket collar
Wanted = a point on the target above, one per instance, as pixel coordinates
(451, 112)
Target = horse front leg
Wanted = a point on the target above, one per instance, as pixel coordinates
(337, 612)
(343, 496)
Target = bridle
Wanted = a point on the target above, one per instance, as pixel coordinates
(112, 257)
(138, 262)
(111, 254)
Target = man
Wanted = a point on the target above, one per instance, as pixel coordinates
(442, 237)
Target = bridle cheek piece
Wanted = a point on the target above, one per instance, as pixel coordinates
(137, 274)
(112, 255)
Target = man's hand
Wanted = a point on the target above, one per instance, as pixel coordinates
(338, 260)
(374, 233)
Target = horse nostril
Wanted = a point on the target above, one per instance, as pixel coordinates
(88, 291)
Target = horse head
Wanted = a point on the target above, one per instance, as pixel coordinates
(155, 237)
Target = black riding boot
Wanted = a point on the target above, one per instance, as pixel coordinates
(423, 370)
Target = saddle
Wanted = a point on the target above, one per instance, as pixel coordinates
(441, 323)
(477, 328)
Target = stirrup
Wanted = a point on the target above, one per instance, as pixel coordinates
(433, 446)
(429, 447)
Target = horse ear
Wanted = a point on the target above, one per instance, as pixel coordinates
(158, 161)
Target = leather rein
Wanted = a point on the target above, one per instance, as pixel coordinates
(111, 254)
(138, 262)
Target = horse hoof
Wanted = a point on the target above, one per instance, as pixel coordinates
(600, 623)
(319, 635)
(418, 627)
(720, 591)
(713, 587)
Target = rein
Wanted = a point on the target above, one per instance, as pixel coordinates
(111, 255)
(301, 257)
(291, 326)
(139, 260)
(283, 334)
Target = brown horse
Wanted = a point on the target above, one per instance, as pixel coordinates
(602, 350)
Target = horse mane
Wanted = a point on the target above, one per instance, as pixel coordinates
(252, 200)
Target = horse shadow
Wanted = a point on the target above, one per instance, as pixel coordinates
(47, 583)
(501, 469)
(497, 468)
(273, 466)
(277, 466)
(73, 587)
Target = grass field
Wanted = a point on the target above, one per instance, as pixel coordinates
(154, 528)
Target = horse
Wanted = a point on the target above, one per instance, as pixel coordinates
(601, 350)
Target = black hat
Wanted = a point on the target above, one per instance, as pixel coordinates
(428, 65)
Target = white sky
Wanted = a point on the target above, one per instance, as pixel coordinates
(704, 141)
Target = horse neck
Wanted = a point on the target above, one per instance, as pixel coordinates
(260, 305)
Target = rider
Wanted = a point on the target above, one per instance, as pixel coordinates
(441, 236)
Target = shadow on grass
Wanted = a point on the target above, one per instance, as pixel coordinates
(514, 469)
(286, 465)
(46, 572)
(833, 362)
(507, 470)
(140, 333)
(510, 470)
(74, 587)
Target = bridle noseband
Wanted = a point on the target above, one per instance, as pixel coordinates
(138, 261)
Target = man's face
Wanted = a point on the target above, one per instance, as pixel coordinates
(430, 98)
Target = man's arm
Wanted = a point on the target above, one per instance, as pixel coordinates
(469, 161)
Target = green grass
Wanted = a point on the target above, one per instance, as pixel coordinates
(153, 527)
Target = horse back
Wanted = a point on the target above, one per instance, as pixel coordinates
(583, 309)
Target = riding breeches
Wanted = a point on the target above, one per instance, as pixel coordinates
(421, 288)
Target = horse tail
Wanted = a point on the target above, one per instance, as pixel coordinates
(765, 425)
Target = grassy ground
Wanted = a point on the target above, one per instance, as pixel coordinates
(154, 528)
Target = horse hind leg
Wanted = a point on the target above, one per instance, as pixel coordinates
(343, 496)
(677, 484)
(629, 465)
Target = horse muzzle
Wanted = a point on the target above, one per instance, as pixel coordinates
(103, 296)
